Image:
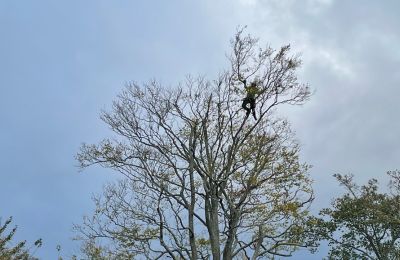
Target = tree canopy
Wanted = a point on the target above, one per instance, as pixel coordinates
(10, 250)
(201, 179)
(363, 223)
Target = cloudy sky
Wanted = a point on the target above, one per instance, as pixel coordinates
(62, 62)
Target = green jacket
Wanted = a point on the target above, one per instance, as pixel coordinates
(252, 91)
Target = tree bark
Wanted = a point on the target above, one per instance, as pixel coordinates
(192, 236)
(233, 222)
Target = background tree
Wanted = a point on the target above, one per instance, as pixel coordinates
(363, 223)
(201, 179)
(17, 251)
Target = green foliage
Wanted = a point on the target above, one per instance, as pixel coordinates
(363, 223)
(93, 251)
(10, 251)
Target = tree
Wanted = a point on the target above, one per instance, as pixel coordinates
(201, 179)
(18, 251)
(363, 223)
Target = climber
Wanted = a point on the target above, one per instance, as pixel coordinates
(250, 98)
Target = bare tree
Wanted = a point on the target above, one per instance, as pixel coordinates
(201, 179)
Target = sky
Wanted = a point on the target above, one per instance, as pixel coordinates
(63, 62)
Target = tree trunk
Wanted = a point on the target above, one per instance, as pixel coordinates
(192, 236)
(211, 209)
(227, 254)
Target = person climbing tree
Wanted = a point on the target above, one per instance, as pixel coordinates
(249, 102)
